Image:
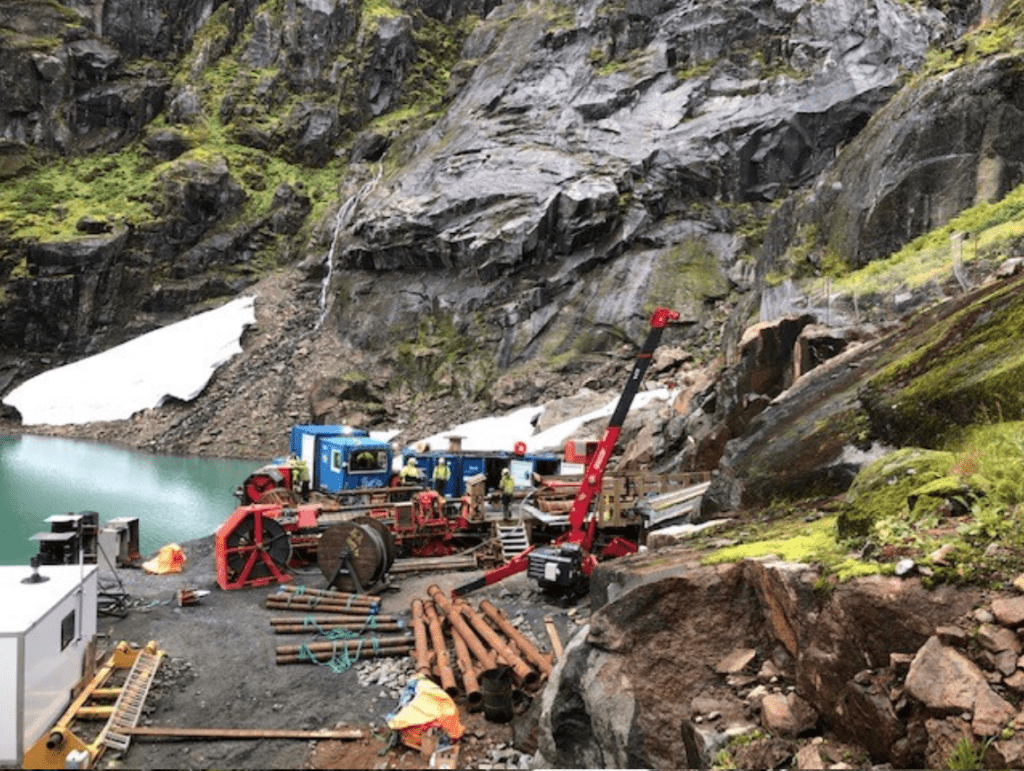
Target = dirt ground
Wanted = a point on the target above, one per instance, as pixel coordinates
(219, 672)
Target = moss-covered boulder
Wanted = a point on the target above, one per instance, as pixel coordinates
(883, 488)
(963, 369)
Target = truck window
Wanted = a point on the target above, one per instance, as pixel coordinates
(335, 460)
(367, 461)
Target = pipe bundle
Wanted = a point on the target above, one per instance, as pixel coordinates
(348, 626)
(483, 642)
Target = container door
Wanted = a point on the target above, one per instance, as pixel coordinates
(309, 455)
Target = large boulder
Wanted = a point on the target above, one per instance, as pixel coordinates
(628, 683)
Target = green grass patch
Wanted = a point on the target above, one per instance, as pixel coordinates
(814, 542)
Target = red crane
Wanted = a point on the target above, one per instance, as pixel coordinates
(566, 564)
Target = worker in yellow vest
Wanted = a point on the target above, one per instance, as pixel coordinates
(508, 486)
(442, 473)
(411, 474)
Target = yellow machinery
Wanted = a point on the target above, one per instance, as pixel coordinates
(52, 749)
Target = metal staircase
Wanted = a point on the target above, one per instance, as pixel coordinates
(514, 540)
(129, 704)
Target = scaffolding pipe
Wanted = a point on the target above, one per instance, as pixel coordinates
(529, 650)
(444, 668)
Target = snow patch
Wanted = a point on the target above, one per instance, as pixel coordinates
(501, 433)
(175, 361)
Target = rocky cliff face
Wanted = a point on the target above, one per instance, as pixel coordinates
(478, 204)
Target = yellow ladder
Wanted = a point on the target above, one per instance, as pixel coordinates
(128, 707)
(52, 749)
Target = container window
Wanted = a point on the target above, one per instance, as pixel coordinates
(67, 630)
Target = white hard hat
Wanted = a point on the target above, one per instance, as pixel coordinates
(412, 461)
(504, 472)
(441, 461)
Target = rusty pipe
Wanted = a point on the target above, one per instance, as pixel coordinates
(420, 654)
(323, 604)
(368, 599)
(444, 667)
(294, 658)
(458, 623)
(351, 645)
(522, 671)
(469, 682)
(528, 649)
(357, 628)
(332, 618)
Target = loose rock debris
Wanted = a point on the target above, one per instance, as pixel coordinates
(220, 671)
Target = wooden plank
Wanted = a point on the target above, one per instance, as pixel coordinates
(243, 733)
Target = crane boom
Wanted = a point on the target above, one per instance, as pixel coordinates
(568, 562)
(594, 475)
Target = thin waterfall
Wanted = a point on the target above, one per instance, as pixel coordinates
(341, 221)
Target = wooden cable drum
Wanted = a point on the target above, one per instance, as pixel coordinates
(368, 547)
(386, 535)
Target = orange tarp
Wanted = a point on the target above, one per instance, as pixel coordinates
(170, 559)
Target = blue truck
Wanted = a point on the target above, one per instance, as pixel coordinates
(323, 458)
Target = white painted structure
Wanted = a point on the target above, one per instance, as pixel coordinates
(44, 630)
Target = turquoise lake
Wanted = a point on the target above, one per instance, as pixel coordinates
(175, 498)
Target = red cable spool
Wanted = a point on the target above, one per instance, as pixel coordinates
(519, 448)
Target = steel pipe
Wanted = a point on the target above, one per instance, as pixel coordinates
(458, 623)
(334, 618)
(529, 650)
(522, 671)
(421, 654)
(304, 629)
(444, 668)
(323, 604)
(469, 682)
(380, 653)
(305, 590)
(350, 644)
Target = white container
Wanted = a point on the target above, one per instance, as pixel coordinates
(45, 629)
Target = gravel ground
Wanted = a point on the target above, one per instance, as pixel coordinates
(219, 671)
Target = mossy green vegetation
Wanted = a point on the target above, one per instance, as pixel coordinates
(882, 488)
(985, 231)
(690, 275)
(963, 370)
(958, 514)
(792, 541)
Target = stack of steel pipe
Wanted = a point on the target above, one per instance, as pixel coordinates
(479, 647)
(350, 648)
(289, 597)
(310, 624)
(336, 613)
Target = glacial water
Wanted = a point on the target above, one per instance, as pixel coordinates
(175, 498)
